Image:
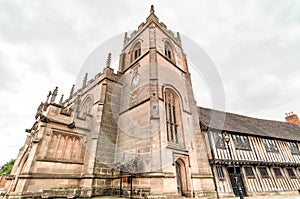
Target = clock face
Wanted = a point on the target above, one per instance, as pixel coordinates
(135, 80)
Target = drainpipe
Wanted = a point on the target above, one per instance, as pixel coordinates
(192, 184)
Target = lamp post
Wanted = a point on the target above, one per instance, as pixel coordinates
(227, 140)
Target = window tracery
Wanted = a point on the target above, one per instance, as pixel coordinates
(168, 51)
(86, 108)
(136, 52)
(173, 116)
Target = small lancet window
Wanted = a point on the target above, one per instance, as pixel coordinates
(168, 51)
(136, 53)
(86, 108)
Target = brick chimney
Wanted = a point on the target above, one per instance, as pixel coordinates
(292, 118)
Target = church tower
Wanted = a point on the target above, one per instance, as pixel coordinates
(145, 113)
(158, 118)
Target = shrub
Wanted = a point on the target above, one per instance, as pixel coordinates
(6, 168)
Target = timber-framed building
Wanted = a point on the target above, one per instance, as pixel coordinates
(266, 153)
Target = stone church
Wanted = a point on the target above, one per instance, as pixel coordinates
(139, 131)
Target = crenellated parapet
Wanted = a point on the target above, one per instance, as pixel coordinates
(68, 110)
(152, 18)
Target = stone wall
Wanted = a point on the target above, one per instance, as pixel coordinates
(2, 180)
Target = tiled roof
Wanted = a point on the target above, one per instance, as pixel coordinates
(248, 125)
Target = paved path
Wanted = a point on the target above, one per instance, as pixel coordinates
(257, 197)
(270, 197)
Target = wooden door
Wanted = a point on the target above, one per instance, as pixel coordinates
(236, 181)
(179, 182)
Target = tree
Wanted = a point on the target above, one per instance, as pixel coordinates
(6, 168)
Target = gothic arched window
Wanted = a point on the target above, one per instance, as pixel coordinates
(173, 116)
(168, 51)
(136, 52)
(86, 108)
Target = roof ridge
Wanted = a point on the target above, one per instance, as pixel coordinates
(248, 125)
(237, 114)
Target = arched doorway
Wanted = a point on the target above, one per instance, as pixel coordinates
(181, 177)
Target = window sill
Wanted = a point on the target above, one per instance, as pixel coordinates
(295, 153)
(293, 177)
(245, 149)
(272, 151)
(265, 177)
(279, 177)
(176, 146)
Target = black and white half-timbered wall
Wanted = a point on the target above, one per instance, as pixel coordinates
(265, 154)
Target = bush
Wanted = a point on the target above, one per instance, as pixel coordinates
(6, 168)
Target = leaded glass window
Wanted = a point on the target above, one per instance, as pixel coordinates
(220, 172)
(173, 116)
(249, 172)
(270, 145)
(277, 172)
(263, 172)
(294, 148)
(241, 142)
(218, 138)
(291, 173)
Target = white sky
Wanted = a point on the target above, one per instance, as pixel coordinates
(254, 44)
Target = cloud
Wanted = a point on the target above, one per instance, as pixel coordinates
(254, 45)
